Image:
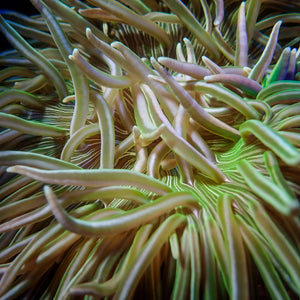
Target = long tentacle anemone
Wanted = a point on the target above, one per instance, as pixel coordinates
(150, 150)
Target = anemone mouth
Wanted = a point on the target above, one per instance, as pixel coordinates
(150, 149)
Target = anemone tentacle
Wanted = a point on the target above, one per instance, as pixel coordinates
(150, 150)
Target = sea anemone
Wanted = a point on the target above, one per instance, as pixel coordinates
(150, 150)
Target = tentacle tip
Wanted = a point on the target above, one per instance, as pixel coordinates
(88, 32)
(278, 24)
(161, 59)
(11, 169)
(208, 78)
(227, 180)
(246, 71)
(204, 58)
(153, 60)
(47, 189)
(156, 65)
(74, 54)
(117, 45)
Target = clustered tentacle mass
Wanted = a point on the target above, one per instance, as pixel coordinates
(150, 150)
